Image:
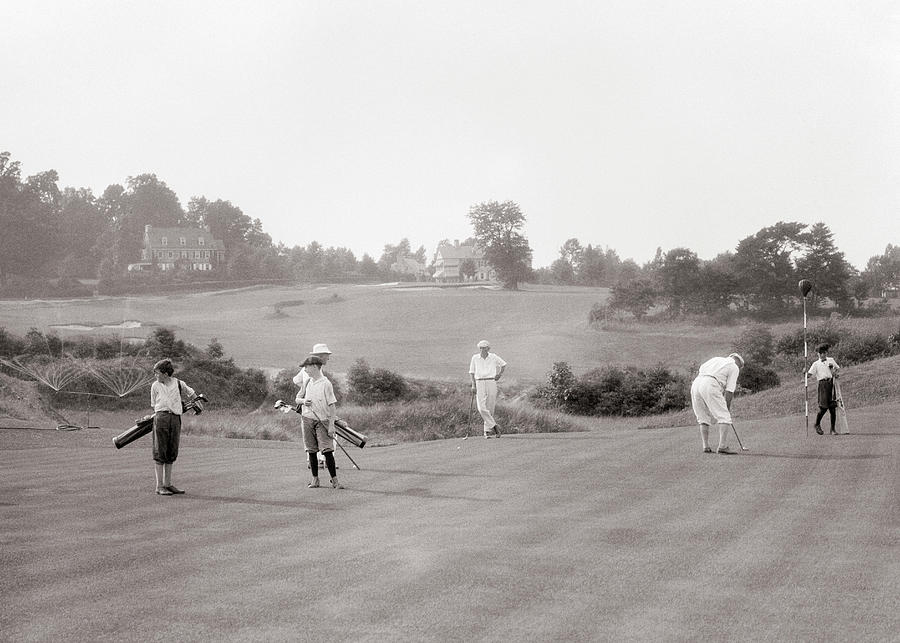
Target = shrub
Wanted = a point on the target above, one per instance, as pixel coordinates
(369, 386)
(559, 382)
(625, 391)
(756, 345)
(756, 377)
(862, 347)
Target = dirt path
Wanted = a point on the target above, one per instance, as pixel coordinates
(610, 535)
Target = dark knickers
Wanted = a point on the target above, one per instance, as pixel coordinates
(166, 436)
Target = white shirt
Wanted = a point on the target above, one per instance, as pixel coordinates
(321, 393)
(820, 369)
(485, 367)
(167, 397)
(724, 370)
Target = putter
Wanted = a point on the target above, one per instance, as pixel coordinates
(743, 448)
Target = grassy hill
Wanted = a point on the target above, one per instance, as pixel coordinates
(419, 332)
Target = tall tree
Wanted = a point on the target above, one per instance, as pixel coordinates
(824, 265)
(226, 222)
(764, 263)
(498, 231)
(679, 278)
(82, 223)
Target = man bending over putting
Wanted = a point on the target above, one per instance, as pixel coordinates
(711, 394)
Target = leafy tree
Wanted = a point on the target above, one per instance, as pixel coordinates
(392, 253)
(83, 223)
(28, 219)
(562, 272)
(825, 266)
(592, 266)
(498, 231)
(214, 349)
(225, 222)
(764, 264)
(882, 270)
(635, 296)
(717, 284)
(467, 268)
(679, 278)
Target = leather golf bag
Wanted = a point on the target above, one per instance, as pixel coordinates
(141, 428)
(341, 428)
(144, 425)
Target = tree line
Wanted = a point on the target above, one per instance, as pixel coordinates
(50, 232)
(759, 276)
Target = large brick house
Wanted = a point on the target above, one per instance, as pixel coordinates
(449, 257)
(183, 248)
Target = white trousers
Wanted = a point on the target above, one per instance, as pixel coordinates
(486, 399)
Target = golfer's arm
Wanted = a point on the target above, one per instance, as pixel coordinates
(499, 373)
(728, 397)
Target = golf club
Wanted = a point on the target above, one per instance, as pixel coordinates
(743, 448)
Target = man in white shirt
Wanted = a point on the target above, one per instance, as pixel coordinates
(711, 394)
(485, 369)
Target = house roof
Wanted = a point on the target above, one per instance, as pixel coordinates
(191, 238)
(459, 252)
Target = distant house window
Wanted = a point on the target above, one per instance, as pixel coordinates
(206, 254)
(171, 254)
(200, 241)
(184, 254)
(165, 241)
(183, 241)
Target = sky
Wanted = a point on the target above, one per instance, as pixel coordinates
(625, 124)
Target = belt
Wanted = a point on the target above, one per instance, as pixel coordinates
(482, 379)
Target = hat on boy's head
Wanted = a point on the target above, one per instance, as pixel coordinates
(484, 344)
(738, 358)
(320, 348)
(312, 360)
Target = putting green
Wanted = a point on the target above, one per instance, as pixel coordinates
(619, 535)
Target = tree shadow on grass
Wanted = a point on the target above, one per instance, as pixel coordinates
(292, 504)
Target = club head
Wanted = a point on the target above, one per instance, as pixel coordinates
(466, 438)
(745, 448)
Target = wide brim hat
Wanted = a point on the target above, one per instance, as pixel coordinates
(320, 348)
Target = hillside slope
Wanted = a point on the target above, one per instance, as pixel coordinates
(868, 384)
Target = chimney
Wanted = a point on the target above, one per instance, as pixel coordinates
(456, 243)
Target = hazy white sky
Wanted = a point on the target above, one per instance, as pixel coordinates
(627, 124)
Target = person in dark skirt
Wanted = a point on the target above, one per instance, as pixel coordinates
(825, 370)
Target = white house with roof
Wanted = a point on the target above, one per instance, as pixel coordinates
(183, 248)
(449, 258)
